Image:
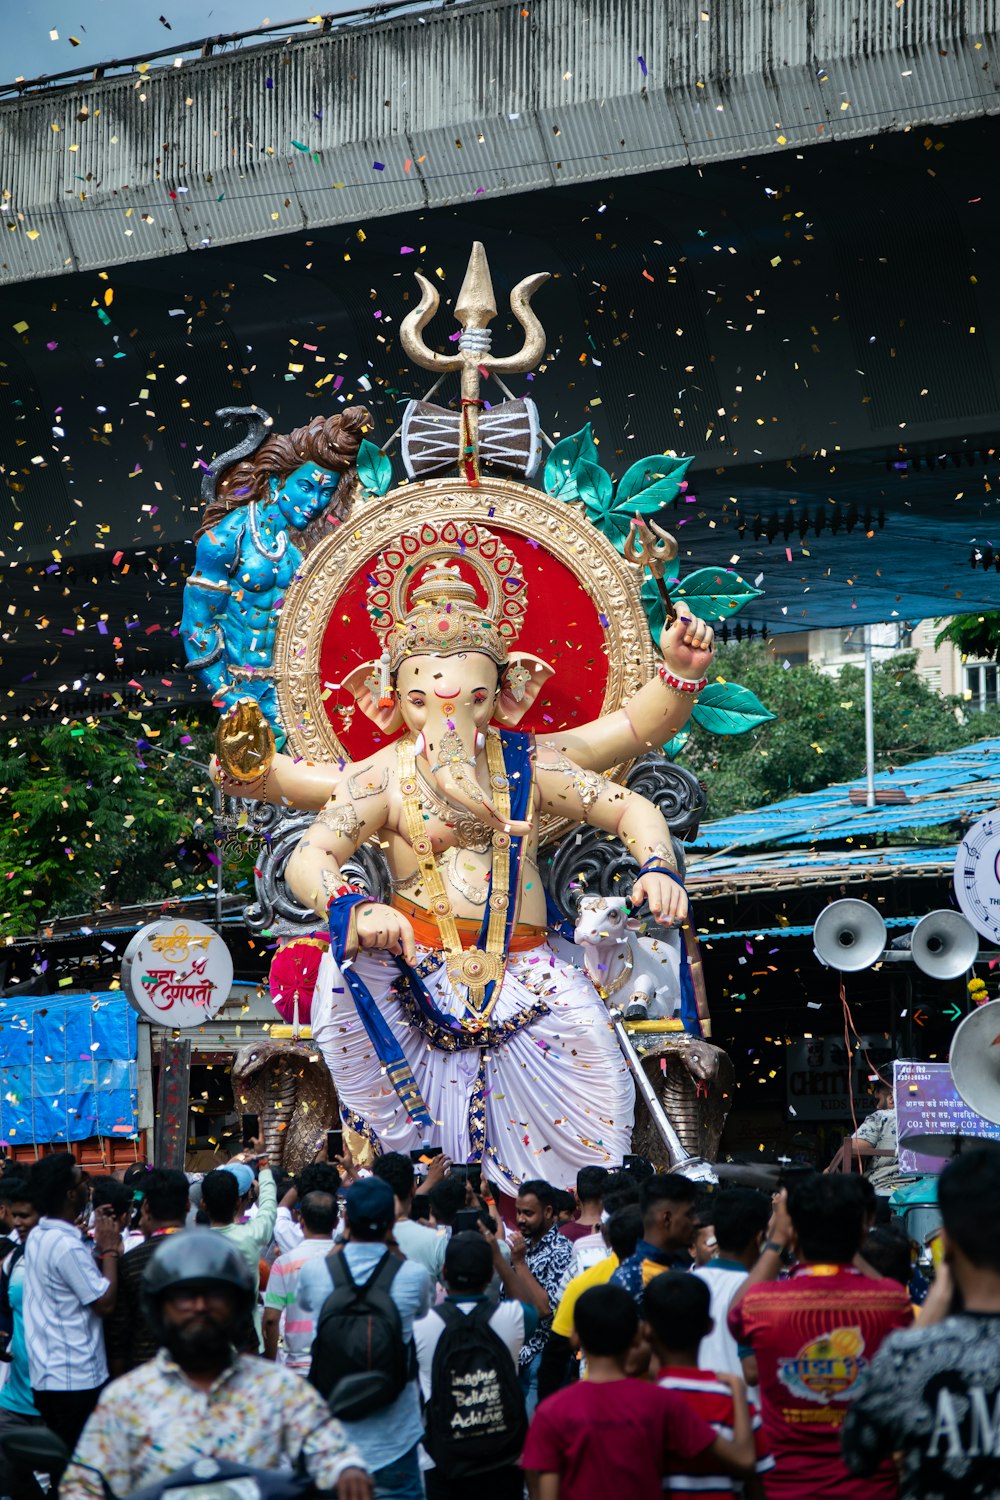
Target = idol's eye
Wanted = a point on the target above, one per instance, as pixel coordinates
(479, 697)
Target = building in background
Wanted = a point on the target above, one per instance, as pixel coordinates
(942, 667)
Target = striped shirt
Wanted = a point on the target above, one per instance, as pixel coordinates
(297, 1322)
(64, 1335)
(713, 1402)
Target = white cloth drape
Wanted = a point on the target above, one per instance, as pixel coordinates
(555, 1097)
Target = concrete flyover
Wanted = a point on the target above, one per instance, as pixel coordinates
(348, 121)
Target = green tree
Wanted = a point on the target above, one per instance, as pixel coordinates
(95, 815)
(977, 636)
(818, 736)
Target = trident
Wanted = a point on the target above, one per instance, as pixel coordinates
(475, 309)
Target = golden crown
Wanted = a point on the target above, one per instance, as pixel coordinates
(439, 613)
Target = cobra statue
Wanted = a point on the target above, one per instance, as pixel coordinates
(288, 1086)
(695, 1082)
(258, 421)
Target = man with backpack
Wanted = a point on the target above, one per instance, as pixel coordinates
(365, 1298)
(467, 1353)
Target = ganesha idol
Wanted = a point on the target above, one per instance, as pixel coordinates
(445, 1013)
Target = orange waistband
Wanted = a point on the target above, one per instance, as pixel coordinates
(425, 929)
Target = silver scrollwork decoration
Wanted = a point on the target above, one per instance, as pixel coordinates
(276, 910)
(590, 862)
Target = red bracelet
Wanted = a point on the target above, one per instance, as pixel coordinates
(345, 890)
(680, 684)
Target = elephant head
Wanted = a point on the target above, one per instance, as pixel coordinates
(447, 702)
(445, 675)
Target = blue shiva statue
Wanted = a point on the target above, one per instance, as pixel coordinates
(268, 500)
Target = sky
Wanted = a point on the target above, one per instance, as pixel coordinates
(106, 29)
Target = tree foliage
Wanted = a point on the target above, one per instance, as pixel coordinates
(101, 815)
(818, 734)
(977, 636)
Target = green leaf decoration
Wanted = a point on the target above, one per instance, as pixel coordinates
(651, 483)
(727, 708)
(374, 468)
(594, 488)
(674, 747)
(714, 593)
(562, 463)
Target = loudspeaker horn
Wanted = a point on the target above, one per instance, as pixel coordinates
(849, 935)
(975, 1061)
(944, 945)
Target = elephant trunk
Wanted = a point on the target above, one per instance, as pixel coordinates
(450, 744)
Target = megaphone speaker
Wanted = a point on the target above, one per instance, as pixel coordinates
(944, 945)
(849, 935)
(975, 1061)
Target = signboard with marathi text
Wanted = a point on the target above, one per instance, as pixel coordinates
(177, 974)
(928, 1103)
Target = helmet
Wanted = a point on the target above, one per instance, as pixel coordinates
(195, 1257)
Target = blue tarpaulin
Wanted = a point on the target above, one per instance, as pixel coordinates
(67, 1067)
(954, 788)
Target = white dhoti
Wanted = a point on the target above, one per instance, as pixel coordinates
(547, 1091)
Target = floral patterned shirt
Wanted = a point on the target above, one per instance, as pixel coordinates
(550, 1261)
(153, 1421)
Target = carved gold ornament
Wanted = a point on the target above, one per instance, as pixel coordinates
(558, 528)
(244, 742)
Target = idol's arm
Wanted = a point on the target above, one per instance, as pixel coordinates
(206, 599)
(314, 870)
(571, 791)
(288, 783)
(654, 714)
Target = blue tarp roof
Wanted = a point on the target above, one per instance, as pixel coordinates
(953, 788)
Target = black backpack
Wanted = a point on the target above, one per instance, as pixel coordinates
(359, 1360)
(475, 1419)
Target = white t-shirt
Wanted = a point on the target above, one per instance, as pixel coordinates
(424, 1245)
(64, 1336)
(507, 1321)
(718, 1350)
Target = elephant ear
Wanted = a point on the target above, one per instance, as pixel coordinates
(509, 709)
(357, 684)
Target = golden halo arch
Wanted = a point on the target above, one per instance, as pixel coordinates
(505, 508)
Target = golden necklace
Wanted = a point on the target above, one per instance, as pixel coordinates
(472, 968)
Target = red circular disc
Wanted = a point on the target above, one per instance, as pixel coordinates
(563, 626)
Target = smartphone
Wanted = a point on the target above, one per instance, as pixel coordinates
(251, 1128)
(423, 1154)
(472, 1171)
(334, 1144)
(466, 1218)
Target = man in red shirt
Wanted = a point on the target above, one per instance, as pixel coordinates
(813, 1335)
(613, 1435)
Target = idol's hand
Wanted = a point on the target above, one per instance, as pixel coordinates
(380, 927)
(687, 644)
(668, 901)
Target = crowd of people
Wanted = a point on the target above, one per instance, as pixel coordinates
(385, 1335)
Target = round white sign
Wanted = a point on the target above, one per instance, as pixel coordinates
(977, 876)
(177, 974)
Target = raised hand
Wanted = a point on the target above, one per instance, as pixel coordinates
(687, 644)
